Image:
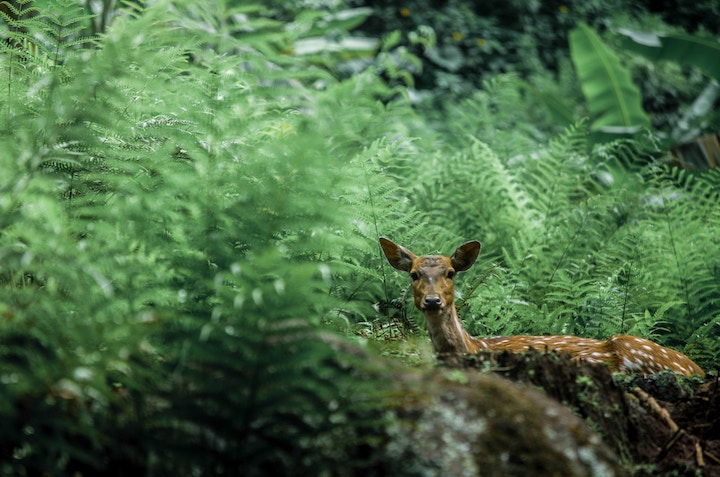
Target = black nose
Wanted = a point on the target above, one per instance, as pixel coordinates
(432, 302)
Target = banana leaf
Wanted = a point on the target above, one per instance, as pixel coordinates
(613, 100)
(700, 52)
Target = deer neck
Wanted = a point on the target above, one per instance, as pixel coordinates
(447, 333)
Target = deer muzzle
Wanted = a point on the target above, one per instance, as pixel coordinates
(432, 302)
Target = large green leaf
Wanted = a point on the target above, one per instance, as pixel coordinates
(701, 52)
(612, 98)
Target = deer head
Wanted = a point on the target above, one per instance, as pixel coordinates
(434, 291)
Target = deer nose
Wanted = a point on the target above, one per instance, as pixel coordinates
(432, 302)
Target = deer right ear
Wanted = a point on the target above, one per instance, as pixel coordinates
(465, 255)
(398, 256)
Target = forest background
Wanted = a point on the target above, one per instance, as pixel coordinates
(191, 195)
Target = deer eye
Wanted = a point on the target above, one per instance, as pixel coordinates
(451, 274)
(414, 276)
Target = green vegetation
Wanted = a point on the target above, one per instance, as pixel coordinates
(189, 213)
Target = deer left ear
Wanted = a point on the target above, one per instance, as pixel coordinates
(398, 256)
(465, 255)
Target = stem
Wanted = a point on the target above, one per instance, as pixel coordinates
(676, 255)
(371, 199)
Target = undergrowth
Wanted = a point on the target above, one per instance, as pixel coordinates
(188, 211)
(577, 241)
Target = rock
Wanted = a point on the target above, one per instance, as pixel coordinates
(612, 407)
(470, 424)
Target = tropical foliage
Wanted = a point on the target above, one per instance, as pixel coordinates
(189, 212)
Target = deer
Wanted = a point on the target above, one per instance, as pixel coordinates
(434, 295)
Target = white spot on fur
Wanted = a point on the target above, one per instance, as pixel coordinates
(630, 364)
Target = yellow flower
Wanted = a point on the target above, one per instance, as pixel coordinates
(284, 129)
(404, 12)
(563, 9)
(481, 42)
(457, 36)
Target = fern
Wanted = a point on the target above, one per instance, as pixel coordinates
(19, 45)
(578, 260)
(685, 208)
(187, 209)
(491, 115)
(168, 213)
(65, 22)
(380, 210)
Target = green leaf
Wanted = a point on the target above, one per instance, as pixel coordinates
(685, 49)
(320, 24)
(348, 47)
(348, 19)
(613, 99)
(391, 40)
(692, 122)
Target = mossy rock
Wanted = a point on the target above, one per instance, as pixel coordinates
(472, 424)
(611, 406)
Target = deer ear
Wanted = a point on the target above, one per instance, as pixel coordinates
(465, 255)
(398, 256)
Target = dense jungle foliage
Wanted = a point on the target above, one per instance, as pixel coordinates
(191, 195)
